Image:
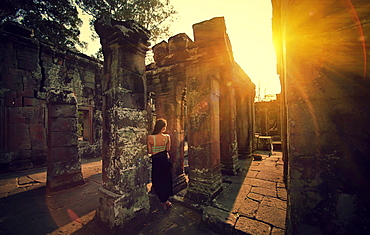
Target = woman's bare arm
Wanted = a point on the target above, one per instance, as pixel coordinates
(149, 145)
(168, 146)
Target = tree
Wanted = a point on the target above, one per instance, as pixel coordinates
(55, 21)
(151, 14)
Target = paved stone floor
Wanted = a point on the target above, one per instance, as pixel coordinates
(253, 202)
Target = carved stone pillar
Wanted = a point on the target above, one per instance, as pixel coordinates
(228, 135)
(204, 136)
(245, 117)
(123, 195)
(63, 163)
(203, 100)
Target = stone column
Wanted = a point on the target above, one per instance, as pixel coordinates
(245, 119)
(203, 99)
(228, 135)
(203, 134)
(63, 162)
(126, 169)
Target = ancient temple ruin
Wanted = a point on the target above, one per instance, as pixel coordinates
(194, 85)
(50, 107)
(197, 85)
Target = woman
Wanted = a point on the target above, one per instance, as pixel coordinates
(158, 145)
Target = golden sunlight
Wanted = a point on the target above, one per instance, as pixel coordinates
(248, 25)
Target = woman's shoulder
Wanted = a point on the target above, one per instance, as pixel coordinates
(167, 135)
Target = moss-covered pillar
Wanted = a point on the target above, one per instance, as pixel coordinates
(63, 162)
(126, 171)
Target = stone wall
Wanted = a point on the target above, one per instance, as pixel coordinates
(323, 50)
(208, 101)
(29, 69)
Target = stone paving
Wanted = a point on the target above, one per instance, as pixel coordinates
(253, 202)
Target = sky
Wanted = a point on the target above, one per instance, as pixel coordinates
(248, 24)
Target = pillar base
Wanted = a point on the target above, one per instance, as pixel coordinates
(230, 166)
(61, 182)
(118, 211)
(179, 183)
(204, 186)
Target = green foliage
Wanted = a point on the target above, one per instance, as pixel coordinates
(152, 14)
(56, 21)
(80, 127)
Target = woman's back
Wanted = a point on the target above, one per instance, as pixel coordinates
(159, 143)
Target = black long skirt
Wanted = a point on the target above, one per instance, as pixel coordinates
(161, 176)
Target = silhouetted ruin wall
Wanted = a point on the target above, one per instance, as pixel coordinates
(208, 101)
(323, 49)
(29, 70)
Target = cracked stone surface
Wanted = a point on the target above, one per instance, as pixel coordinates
(250, 226)
(257, 197)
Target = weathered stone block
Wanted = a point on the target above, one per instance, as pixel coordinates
(63, 110)
(160, 52)
(28, 101)
(212, 216)
(11, 94)
(15, 115)
(9, 60)
(27, 92)
(60, 139)
(22, 154)
(19, 137)
(264, 143)
(28, 112)
(21, 165)
(64, 124)
(246, 225)
(118, 210)
(5, 158)
(38, 136)
(272, 215)
(39, 156)
(64, 168)
(60, 182)
(61, 97)
(28, 59)
(227, 201)
(249, 208)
